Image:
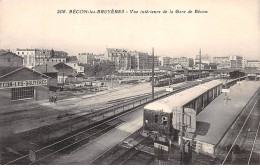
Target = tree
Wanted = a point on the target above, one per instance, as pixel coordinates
(100, 69)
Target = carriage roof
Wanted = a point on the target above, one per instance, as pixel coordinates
(177, 100)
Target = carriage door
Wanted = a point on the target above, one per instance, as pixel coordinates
(202, 102)
(213, 96)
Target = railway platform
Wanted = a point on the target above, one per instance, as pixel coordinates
(89, 152)
(218, 117)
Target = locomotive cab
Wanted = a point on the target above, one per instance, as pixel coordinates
(157, 124)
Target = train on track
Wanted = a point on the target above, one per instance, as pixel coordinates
(192, 76)
(167, 79)
(162, 118)
(128, 81)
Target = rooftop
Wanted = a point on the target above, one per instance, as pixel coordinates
(4, 70)
(44, 69)
(177, 100)
(6, 53)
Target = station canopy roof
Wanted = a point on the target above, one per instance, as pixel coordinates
(180, 99)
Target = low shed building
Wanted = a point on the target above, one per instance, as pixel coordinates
(21, 85)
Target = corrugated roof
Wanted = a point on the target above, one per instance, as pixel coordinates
(170, 103)
(42, 69)
(3, 54)
(4, 70)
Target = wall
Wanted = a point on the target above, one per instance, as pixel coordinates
(10, 59)
(41, 93)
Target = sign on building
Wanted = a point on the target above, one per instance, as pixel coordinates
(25, 83)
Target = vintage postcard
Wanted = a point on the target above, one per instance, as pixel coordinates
(129, 82)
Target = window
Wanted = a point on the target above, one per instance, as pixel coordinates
(22, 93)
(164, 120)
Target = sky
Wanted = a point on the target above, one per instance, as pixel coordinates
(231, 27)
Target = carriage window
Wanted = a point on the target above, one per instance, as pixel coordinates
(156, 118)
(164, 120)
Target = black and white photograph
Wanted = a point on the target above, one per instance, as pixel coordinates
(129, 82)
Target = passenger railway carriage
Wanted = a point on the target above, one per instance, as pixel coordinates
(162, 118)
(167, 81)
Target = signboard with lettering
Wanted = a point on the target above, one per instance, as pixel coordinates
(161, 150)
(25, 83)
(226, 90)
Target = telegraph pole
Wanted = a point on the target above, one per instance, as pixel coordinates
(182, 135)
(153, 74)
(200, 65)
(63, 71)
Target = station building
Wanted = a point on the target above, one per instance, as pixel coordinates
(22, 85)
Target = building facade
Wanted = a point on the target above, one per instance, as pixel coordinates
(120, 57)
(222, 62)
(184, 61)
(229, 62)
(165, 61)
(86, 58)
(11, 60)
(45, 55)
(131, 60)
(141, 60)
(236, 62)
(205, 58)
(46, 60)
(50, 72)
(22, 85)
(34, 57)
(77, 68)
(29, 56)
(100, 57)
(149, 62)
(253, 64)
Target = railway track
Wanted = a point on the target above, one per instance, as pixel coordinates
(50, 148)
(243, 150)
(127, 153)
(130, 153)
(69, 144)
(237, 143)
